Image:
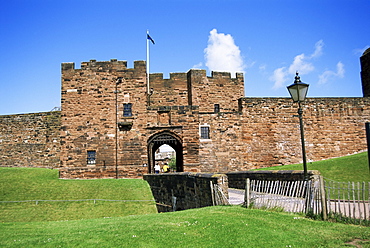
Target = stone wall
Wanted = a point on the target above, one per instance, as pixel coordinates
(180, 191)
(333, 127)
(237, 179)
(244, 133)
(28, 140)
(169, 92)
(220, 89)
(93, 117)
(266, 132)
(93, 101)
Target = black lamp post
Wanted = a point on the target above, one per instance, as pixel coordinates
(298, 92)
(118, 81)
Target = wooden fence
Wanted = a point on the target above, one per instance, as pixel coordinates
(319, 197)
(349, 199)
(218, 196)
(287, 195)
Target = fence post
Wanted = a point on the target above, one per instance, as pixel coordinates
(247, 193)
(324, 209)
(174, 199)
(212, 193)
(308, 197)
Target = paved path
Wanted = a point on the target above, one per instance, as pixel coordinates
(236, 196)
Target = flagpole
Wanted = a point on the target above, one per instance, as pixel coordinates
(147, 63)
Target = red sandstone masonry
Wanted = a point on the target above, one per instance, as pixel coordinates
(28, 140)
(88, 113)
(247, 132)
(333, 127)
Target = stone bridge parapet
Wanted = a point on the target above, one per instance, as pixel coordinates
(184, 190)
(237, 179)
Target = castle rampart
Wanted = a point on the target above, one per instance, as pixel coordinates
(333, 127)
(109, 125)
(30, 140)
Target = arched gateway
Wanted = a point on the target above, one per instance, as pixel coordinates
(167, 138)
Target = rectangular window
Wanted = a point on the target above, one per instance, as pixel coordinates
(91, 157)
(127, 109)
(204, 132)
(217, 108)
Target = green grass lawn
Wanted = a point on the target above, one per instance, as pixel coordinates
(136, 224)
(18, 184)
(220, 226)
(352, 168)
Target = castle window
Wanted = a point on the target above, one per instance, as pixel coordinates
(91, 157)
(217, 108)
(204, 132)
(127, 109)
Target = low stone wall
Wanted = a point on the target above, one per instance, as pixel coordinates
(237, 179)
(185, 190)
(30, 140)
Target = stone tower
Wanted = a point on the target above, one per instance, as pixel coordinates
(111, 126)
(365, 72)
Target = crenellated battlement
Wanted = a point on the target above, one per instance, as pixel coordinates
(220, 74)
(173, 76)
(113, 64)
(140, 65)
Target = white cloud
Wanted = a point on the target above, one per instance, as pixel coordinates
(301, 63)
(262, 68)
(331, 75)
(340, 69)
(197, 66)
(318, 49)
(279, 77)
(222, 54)
(360, 51)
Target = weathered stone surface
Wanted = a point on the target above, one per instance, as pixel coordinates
(107, 113)
(180, 191)
(92, 104)
(237, 179)
(30, 140)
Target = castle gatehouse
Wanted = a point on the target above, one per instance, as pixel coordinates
(111, 124)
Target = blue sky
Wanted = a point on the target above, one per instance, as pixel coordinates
(267, 40)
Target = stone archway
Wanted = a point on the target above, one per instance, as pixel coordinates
(168, 138)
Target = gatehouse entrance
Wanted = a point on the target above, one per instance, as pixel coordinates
(165, 138)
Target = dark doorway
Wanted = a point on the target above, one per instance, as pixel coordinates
(167, 138)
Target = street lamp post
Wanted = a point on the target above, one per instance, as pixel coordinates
(118, 81)
(298, 92)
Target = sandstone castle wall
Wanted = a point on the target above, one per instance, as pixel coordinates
(30, 140)
(109, 126)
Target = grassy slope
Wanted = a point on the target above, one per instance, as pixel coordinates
(220, 226)
(352, 168)
(36, 183)
(43, 184)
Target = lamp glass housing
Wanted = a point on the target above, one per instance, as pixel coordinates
(298, 91)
